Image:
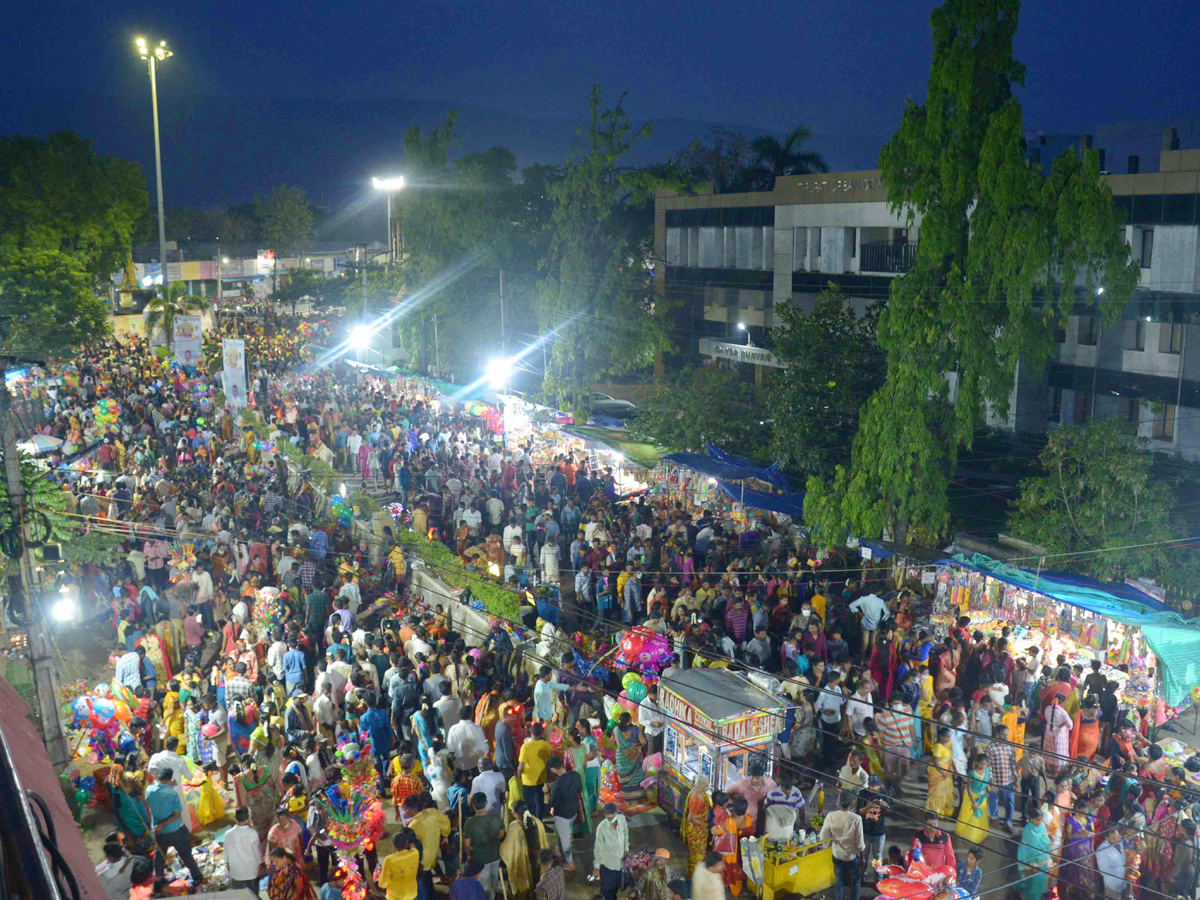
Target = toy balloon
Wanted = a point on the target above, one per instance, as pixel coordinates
(81, 798)
(123, 692)
(625, 701)
(122, 712)
(636, 692)
(87, 783)
(629, 678)
(81, 709)
(103, 711)
(257, 445)
(337, 500)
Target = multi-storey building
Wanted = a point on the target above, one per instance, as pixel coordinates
(731, 261)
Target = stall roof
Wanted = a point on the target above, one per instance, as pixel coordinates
(719, 693)
(788, 504)
(633, 446)
(716, 464)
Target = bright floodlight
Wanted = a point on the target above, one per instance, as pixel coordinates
(65, 609)
(741, 326)
(360, 337)
(388, 184)
(498, 372)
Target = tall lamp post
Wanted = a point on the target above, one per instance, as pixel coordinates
(153, 56)
(389, 186)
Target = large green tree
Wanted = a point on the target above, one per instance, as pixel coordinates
(832, 364)
(285, 224)
(774, 157)
(1097, 497)
(1001, 250)
(687, 409)
(596, 300)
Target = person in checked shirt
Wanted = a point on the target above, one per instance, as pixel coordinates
(1002, 760)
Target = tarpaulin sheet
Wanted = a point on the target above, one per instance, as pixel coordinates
(1176, 643)
(716, 464)
(772, 474)
(788, 504)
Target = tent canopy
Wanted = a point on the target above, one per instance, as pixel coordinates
(787, 504)
(632, 446)
(727, 467)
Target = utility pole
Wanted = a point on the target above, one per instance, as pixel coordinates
(503, 331)
(45, 677)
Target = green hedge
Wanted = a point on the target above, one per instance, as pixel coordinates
(501, 603)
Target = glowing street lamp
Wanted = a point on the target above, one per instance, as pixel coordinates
(388, 186)
(499, 373)
(153, 56)
(360, 337)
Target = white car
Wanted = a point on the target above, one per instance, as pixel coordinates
(611, 406)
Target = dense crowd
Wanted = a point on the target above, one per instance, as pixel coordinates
(288, 635)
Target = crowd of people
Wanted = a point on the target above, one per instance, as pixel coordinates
(288, 635)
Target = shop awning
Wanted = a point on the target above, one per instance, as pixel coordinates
(629, 444)
(1175, 642)
(787, 504)
(727, 467)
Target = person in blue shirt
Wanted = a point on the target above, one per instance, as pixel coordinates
(147, 671)
(318, 544)
(377, 724)
(166, 817)
(294, 666)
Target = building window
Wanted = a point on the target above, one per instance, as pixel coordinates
(851, 242)
(1170, 338)
(1164, 422)
(1135, 334)
(1133, 412)
(1081, 409)
(1086, 335)
(1147, 247)
(1055, 405)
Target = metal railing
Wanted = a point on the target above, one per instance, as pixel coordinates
(888, 256)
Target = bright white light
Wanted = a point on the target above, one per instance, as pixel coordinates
(65, 609)
(712, 481)
(388, 184)
(1147, 318)
(499, 372)
(1099, 291)
(342, 490)
(741, 326)
(225, 260)
(147, 281)
(360, 337)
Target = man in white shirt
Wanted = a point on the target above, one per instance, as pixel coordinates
(512, 532)
(324, 708)
(489, 782)
(170, 759)
(467, 741)
(650, 719)
(472, 519)
(417, 645)
(1110, 860)
(204, 584)
(275, 653)
(240, 612)
(243, 853)
(351, 594)
(859, 709)
(708, 881)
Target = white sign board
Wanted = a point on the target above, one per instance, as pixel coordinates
(755, 356)
(233, 351)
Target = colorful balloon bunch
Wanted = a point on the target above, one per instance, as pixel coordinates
(182, 558)
(342, 512)
(106, 411)
(645, 650)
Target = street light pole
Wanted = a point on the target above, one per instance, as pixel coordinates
(389, 186)
(153, 57)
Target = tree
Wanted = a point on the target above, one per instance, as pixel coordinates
(773, 157)
(285, 222)
(1098, 498)
(688, 409)
(596, 299)
(58, 196)
(725, 160)
(302, 284)
(1001, 250)
(161, 311)
(832, 365)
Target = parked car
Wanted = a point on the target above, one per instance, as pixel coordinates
(605, 405)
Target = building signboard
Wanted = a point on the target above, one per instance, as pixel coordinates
(755, 356)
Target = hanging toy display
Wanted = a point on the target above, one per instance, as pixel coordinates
(267, 611)
(355, 813)
(182, 560)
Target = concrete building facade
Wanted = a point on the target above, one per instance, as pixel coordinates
(737, 258)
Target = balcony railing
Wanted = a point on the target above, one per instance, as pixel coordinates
(888, 256)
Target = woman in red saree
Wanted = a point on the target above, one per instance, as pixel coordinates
(883, 663)
(287, 879)
(1085, 732)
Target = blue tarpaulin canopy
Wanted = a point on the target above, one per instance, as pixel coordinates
(788, 504)
(1176, 643)
(727, 467)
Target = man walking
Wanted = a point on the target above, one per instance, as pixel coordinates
(166, 817)
(845, 828)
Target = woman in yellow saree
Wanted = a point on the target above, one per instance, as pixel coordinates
(925, 706)
(694, 826)
(941, 776)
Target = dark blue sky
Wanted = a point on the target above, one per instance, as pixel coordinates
(837, 66)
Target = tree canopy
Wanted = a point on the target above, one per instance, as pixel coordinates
(1097, 497)
(1001, 251)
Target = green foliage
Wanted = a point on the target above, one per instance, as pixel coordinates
(1098, 492)
(58, 198)
(498, 601)
(1000, 249)
(285, 223)
(596, 297)
(302, 283)
(688, 409)
(47, 302)
(161, 311)
(833, 364)
(723, 160)
(366, 504)
(774, 157)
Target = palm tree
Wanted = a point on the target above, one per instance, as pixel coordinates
(774, 157)
(161, 311)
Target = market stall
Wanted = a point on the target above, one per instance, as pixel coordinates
(714, 720)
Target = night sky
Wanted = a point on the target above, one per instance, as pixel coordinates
(840, 68)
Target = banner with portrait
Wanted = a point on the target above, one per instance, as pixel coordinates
(186, 340)
(233, 352)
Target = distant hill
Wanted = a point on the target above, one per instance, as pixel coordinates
(220, 150)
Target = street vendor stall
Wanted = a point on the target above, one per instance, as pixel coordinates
(714, 720)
